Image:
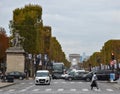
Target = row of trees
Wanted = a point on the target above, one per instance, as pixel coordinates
(105, 55)
(38, 38)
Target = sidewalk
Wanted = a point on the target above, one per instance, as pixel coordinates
(5, 84)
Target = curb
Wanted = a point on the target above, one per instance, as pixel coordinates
(6, 85)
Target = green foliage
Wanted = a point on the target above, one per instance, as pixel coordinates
(38, 38)
(25, 20)
(104, 56)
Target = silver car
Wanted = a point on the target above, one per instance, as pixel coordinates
(42, 77)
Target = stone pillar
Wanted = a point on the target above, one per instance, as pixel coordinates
(15, 59)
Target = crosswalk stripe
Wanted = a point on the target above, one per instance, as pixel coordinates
(55, 82)
(49, 89)
(23, 83)
(63, 82)
(85, 89)
(97, 89)
(80, 82)
(30, 83)
(72, 82)
(109, 89)
(11, 90)
(1, 90)
(23, 90)
(72, 89)
(60, 89)
(35, 90)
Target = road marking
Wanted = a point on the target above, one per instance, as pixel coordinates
(109, 89)
(36, 90)
(64, 82)
(55, 82)
(1, 90)
(79, 82)
(72, 82)
(72, 89)
(97, 89)
(26, 88)
(23, 90)
(49, 89)
(30, 83)
(11, 90)
(85, 89)
(23, 83)
(60, 89)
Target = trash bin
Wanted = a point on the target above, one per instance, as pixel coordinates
(9, 78)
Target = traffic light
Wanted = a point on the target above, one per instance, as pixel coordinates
(112, 56)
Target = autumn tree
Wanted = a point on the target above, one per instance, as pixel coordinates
(3, 47)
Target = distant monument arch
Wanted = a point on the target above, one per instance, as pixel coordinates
(74, 57)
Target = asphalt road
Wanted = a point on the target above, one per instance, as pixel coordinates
(58, 87)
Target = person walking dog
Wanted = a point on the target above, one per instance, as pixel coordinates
(94, 81)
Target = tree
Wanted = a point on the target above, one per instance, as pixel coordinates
(4, 40)
(38, 38)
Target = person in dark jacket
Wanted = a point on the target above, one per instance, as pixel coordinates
(94, 81)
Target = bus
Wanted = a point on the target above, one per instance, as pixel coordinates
(57, 70)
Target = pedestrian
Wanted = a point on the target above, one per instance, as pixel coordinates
(94, 81)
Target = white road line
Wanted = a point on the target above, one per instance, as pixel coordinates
(72, 89)
(30, 83)
(97, 89)
(11, 90)
(36, 90)
(23, 90)
(85, 89)
(49, 89)
(1, 90)
(26, 88)
(60, 89)
(23, 83)
(55, 82)
(64, 82)
(109, 89)
(72, 82)
(80, 82)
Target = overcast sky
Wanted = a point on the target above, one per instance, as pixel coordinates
(79, 25)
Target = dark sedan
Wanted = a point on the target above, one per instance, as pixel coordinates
(16, 75)
(75, 75)
(101, 75)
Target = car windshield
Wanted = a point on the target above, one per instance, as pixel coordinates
(41, 74)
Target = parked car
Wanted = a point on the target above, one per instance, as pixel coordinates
(101, 75)
(75, 75)
(16, 75)
(42, 77)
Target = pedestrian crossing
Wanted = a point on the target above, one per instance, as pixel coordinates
(55, 87)
(56, 83)
(58, 90)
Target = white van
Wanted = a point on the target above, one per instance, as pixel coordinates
(42, 77)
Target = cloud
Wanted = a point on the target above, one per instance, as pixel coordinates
(79, 25)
